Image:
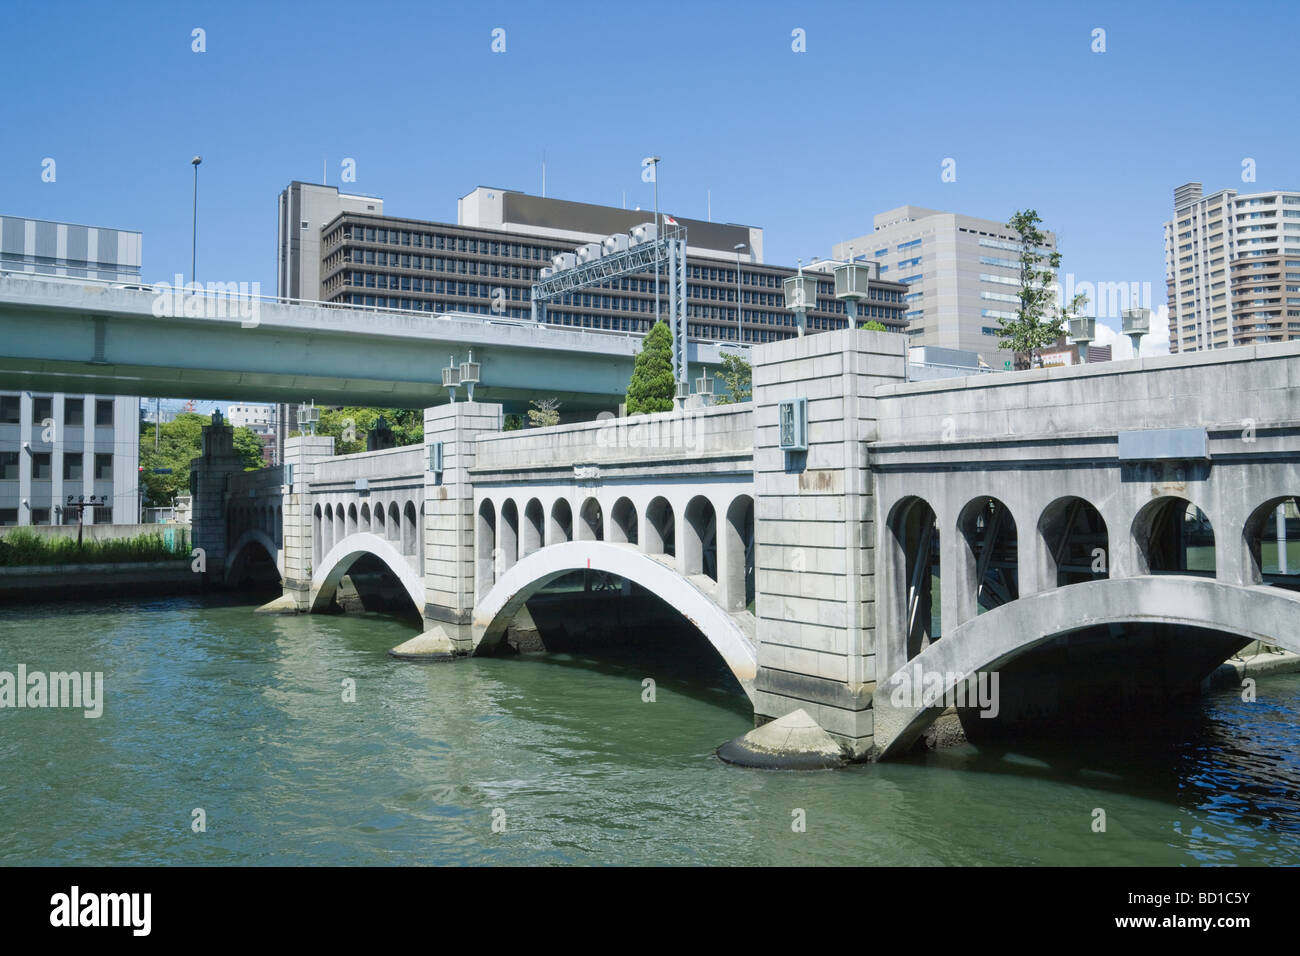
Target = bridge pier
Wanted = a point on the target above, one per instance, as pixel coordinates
(815, 530)
(301, 453)
(209, 477)
(449, 560)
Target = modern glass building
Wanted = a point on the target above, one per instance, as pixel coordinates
(64, 454)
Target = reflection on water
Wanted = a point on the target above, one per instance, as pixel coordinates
(211, 706)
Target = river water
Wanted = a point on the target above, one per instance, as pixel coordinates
(559, 759)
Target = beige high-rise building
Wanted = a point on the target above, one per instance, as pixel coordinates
(962, 274)
(1232, 268)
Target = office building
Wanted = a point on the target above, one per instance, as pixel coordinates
(59, 451)
(487, 262)
(961, 274)
(1232, 268)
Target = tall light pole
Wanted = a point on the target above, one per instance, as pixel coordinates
(654, 165)
(194, 228)
(740, 329)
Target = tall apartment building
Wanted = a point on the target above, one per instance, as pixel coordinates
(57, 449)
(494, 253)
(961, 274)
(1232, 268)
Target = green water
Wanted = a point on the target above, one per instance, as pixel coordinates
(211, 706)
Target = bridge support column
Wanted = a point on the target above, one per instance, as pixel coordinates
(209, 476)
(815, 530)
(449, 517)
(301, 454)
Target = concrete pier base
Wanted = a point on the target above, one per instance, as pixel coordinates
(284, 604)
(792, 742)
(432, 645)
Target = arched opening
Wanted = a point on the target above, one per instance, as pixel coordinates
(394, 523)
(915, 571)
(1272, 540)
(992, 569)
(591, 523)
(623, 527)
(340, 522)
(316, 541)
(660, 536)
(327, 531)
(352, 518)
(410, 529)
(534, 527)
(377, 520)
(700, 549)
(1173, 536)
(485, 546)
(508, 536)
(561, 529)
(1076, 546)
(740, 554)
(365, 516)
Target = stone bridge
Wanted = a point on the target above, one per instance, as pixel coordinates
(944, 528)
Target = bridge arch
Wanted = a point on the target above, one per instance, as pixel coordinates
(340, 558)
(909, 565)
(534, 531)
(485, 545)
(591, 521)
(561, 527)
(700, 537)
(508, 534)
(498, 607)
(1172, 535)
(660, 528)
(623, 522)
(237, 556)
(1075, 542)
(739, 554)
(987, 642)
(1268, 524)
(988, 570)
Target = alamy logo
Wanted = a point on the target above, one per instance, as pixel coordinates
(36, 689)
(216, 300)
(102, 909)
(914, 686)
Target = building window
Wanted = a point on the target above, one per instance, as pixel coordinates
(8, 516)
(72, 466)
(42, 408)
(8, 466)
(104, 412)
(41, 466)
(40, 516)
(74, 412)
(9, 409)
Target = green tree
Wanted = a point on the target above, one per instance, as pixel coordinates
(738, 377)
(179, 441)
(652, 388)
(1038, 322)
(350, 425)
(874, 326)
(545, 411)
(513, 422)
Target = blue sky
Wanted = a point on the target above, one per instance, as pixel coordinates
(807, 145)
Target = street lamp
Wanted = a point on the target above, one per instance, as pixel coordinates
(1136, 323)
(451, 377)
(740, 329)
(194, 228)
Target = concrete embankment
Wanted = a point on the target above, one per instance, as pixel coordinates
(1253, 660)
(50, 581)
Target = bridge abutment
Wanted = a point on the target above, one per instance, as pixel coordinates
(209, 477)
